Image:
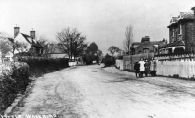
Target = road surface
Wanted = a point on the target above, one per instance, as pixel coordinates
(96, 92)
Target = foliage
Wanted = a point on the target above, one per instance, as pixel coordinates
(100, 54)
(14, 80)
(113, 49)
(92, 48)
(21, 46)
(88, 59)
(109, 60)
(4, 47)
(40, 65)
(43, 42)
(72, 42)
(129, 39)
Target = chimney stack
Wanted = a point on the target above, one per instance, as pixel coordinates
(16, 31)
(32, 34)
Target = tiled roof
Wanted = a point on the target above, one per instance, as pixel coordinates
(31, 41)
(174, 44)
(27, 37)
(136, 43)
(54, 49)
(173, 20)
(181, 16)
(186, 15)
(155, 42)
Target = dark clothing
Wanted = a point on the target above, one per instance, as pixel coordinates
(136, 68)
(141, 73)
(147, 68)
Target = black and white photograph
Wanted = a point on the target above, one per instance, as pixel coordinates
(97, 58)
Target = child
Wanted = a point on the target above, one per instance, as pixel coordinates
(142, 68)
(136, 68)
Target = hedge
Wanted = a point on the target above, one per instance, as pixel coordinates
(14, 80)
(109, 60)
(39, 66)
(15, 77)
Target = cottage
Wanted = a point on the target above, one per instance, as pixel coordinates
(31, 45)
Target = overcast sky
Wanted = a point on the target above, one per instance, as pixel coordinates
(102, 21)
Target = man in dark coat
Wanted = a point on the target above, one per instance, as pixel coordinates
(147, 67)
(136, 68)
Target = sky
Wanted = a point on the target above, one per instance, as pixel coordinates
(101, 21)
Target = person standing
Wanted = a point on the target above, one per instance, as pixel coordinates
(136, 68)
(147, 67)
(142, 68)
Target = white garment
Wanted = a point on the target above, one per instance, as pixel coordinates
(142, 68)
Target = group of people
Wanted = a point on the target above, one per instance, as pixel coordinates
(145, 66)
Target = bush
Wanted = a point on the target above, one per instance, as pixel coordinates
(176, 76)
(39, 66)
(109, 60)
(14, 80)
(89, 58)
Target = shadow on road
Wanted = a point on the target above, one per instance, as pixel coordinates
(122, 79)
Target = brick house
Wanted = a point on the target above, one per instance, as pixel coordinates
(181, 34)
(147, 46)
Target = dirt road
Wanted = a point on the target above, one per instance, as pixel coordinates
(96, 92)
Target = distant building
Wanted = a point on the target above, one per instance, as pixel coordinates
(31, 44)
(147, 46)
(181, 34)
(54, 51)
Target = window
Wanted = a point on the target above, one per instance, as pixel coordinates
(146, 50)
(173, 32)
(180, 29)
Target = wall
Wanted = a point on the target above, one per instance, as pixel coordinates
(189, 36)
(183, 68)
(58, 55)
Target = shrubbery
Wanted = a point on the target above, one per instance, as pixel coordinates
(89, 58)
(39, 66)
(14, 80)
(109, 60)
(15, 76)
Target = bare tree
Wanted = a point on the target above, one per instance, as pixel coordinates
(21, 46)
(71, 41)
(128, 39)
(113, 49)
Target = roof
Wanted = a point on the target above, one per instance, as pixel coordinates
(173, 20)
(186, 15)
(30, 40)
(136, 43)
(54, 49)
(182, 16)
(174, 44)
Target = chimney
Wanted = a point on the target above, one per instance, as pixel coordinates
(32, 34)
(16, 31)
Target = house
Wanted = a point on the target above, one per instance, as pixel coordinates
(147, 46)
(54, 51)
(31, 45)
(181, 34)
